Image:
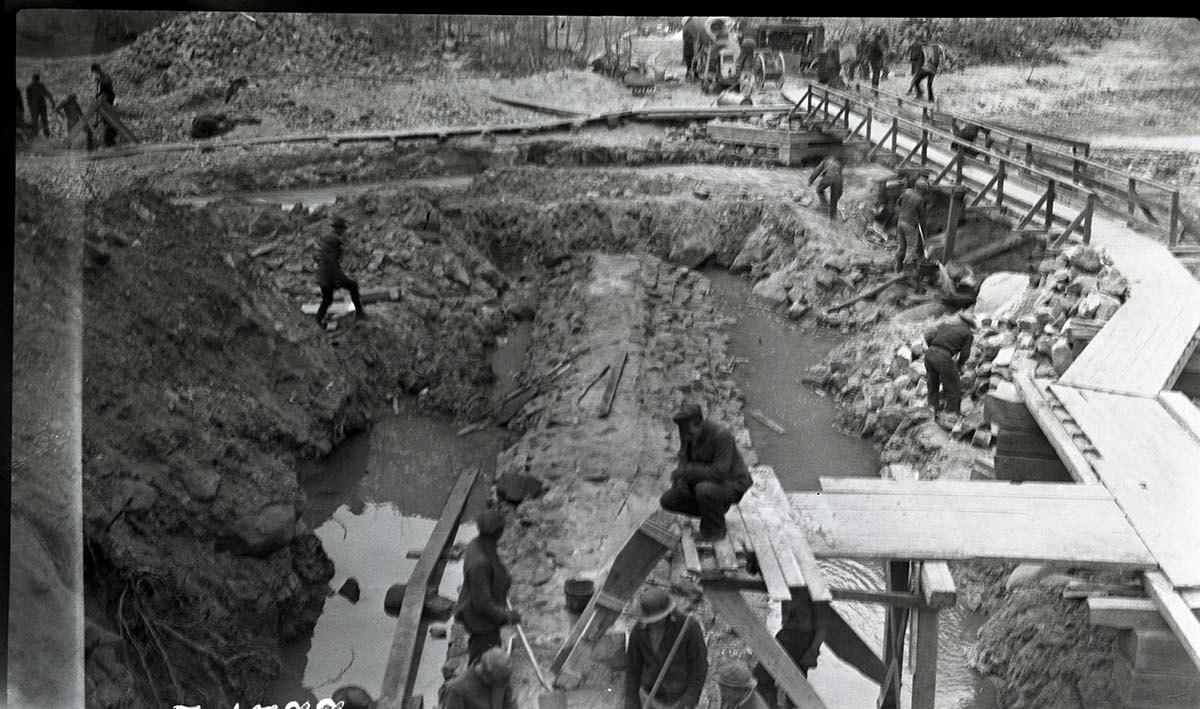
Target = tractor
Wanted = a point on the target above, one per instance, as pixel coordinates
(785, 47)
(712, 52)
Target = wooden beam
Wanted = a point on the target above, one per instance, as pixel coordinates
(961, 488)
(691, 557)
(887, 598)
(1179, 617)
(614, 379)
(1064, 444)
(925, 660)
(738, 614)
(814, 579)
(1124, 613)
(1182, 410)
(405, 651)
(937, 585)
(777, 587)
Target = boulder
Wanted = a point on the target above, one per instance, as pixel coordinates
(1004, 357)
(696, 247)
(999, 295)
(394, 599)
(1114, 284)
(889, 418)
(901, 360)
(825, 280)
(1085, 258)
(1060, 355)
(266, 531)
(1083, 284)
(924, 311)
(1108, 307)
(350, 590)
(773, 288)
(758, 247)
(797, 311)
(516, 488)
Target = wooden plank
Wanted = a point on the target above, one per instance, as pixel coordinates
(616, 369)
(925, 660)
(734, 609)
(1182, 410)
(1080, 532)
(937, 585)
(726, 558)
(777, 586)
(404, 655)
(956, 488)
(1178, 616)
(109, 114)
(887, 598)
(543, 108)
(1051, 425)
(1125, 613)
(814, 579)
(762, 418)
(772, 512)
(739, 536)
(691, 558)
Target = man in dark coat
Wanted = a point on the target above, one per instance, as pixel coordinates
(659, 628)
(931, 59)
(805, 626)
(910, 220)
(485, 685)
(829, 171)
(946, 342)
(330, 276)
(876, 53)
(37, 96)
(711, 475)
(105, 91)
(483, 601)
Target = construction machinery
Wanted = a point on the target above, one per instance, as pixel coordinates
(715, 53)
(785, 48)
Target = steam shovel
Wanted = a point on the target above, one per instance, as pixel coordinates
(553, 698)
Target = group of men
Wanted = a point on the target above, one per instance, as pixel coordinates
(39, 100)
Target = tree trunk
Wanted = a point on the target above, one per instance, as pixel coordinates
(568, 38)
(586, 24)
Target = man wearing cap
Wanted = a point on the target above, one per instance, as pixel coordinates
(661, 629)
(911, 215)
(947, 341)
(829, 171)
(330, 276)
(483, 602)
(484, 685)
(711, 475)
(737, 687)
(805, 627)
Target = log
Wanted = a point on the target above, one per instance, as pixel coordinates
(762, 418)
(614, 378)
(876, 290)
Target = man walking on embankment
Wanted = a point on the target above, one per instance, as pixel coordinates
(711, 475)
(663, 633)
(39, 99)
(946, 342)
(483, 602)
(330, 275)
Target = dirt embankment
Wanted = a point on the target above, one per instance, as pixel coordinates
(1038, 647)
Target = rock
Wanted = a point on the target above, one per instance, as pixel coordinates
(458, 273)
(394, 599)
(1060, 355)
(1114, 284)
(1108, 307)
(758, 247)
(901, 361)
(201, 484)
(1056, 580)
(889, 418)
(353, 697)
(350, 590)
(917, 346)
(516, 488)
(1089, 306)
(1004, 357)
(1025, 575)
(797, 311)
(1045, 370)
(437, 631)
(921, 312)
(825, 280)
(982, 438)
(1085, 258)
(696, 247)
(773, 288)
(266, 531)
(999, 295)
(1083, 284)
(817, 375)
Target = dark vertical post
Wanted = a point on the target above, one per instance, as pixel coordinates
(1075, 171)
(1173, 236)
(895, 131)
(1049, 204)
(1132, 199)
(957, 196)
(924, 146)
(1087, 220)
(870, 117)
(959, 168)
(1028, 156)
(1000, 184)
(897, 573)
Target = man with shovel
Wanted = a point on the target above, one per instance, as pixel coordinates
(910, 223)
(483, 603)
(667, 658)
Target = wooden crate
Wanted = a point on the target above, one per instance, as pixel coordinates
(792, 145)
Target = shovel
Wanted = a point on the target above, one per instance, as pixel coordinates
(553, 698)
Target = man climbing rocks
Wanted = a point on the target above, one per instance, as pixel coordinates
(829, 171)
(105, 91)
(660, 630)
(330, 276)
(946, 342)
(485, 685)
(737, 687)
(910, 220)
(711, 475)
(37, 95)
(483, 602)
(931, 59)
(805, 626)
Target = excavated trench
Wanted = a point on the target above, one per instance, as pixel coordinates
(365, 507)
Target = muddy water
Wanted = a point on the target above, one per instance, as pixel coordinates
(779, 352)
(374, 499)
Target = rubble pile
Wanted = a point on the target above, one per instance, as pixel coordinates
(881, 380)
(204, 44)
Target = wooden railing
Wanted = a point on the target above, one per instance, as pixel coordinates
(818, 98)
(1141, 201)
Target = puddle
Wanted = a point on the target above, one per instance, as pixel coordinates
(779, 353)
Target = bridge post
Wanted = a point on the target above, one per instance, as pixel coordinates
(898, 575)
(1000, 184)
(895, 130)
(870, 117)
(1172, 235)
(1075, 171)
(1087, 220)
(924, 147)
(1049, 204)
(958, 168)
(1132, 201)
(957, 197)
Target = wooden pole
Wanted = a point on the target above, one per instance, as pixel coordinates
(1049, 204)
(1132, 200)
(1087, 221)
(1000, 186)
(957, 196)
(895, 130)
(898, 574)
(1172, 235)
(924, 147)
(870, 118)
(925, 663)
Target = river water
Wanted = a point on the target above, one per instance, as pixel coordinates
(382, 491)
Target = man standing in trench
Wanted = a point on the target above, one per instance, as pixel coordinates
(330, 276)
(946, 342)
(805, 626)
(663, 633)
(483, 602)
(910, 220)
(711, 475)
(829, 171)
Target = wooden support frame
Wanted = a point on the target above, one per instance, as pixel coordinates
(1033, 211)
(890, 133)
(1084, 219)
(946, 170)
(886, 598)
(1177, 614)
(1050, 193)
(957, 198)
(991, 183)
(1173, 231)
(898, 576)
(1062, 442)
(1131, 202)
(405, 651)
(924, 687)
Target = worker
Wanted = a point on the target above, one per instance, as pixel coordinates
(737, 686)
(745, 65)
(931, 59)
(910, 221)
(805, 626)
(829, 65)
(946, 342)
(484, 685)
(965, 131)
(37, 95)
(660, 628)
(483, 603)
(693, 28)
(234, 86)
(711, 475)
(916, 57)
(876, 53)
(330, 276)
(105, 91)
(829, 171)
(849, 59)
(209, 125)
